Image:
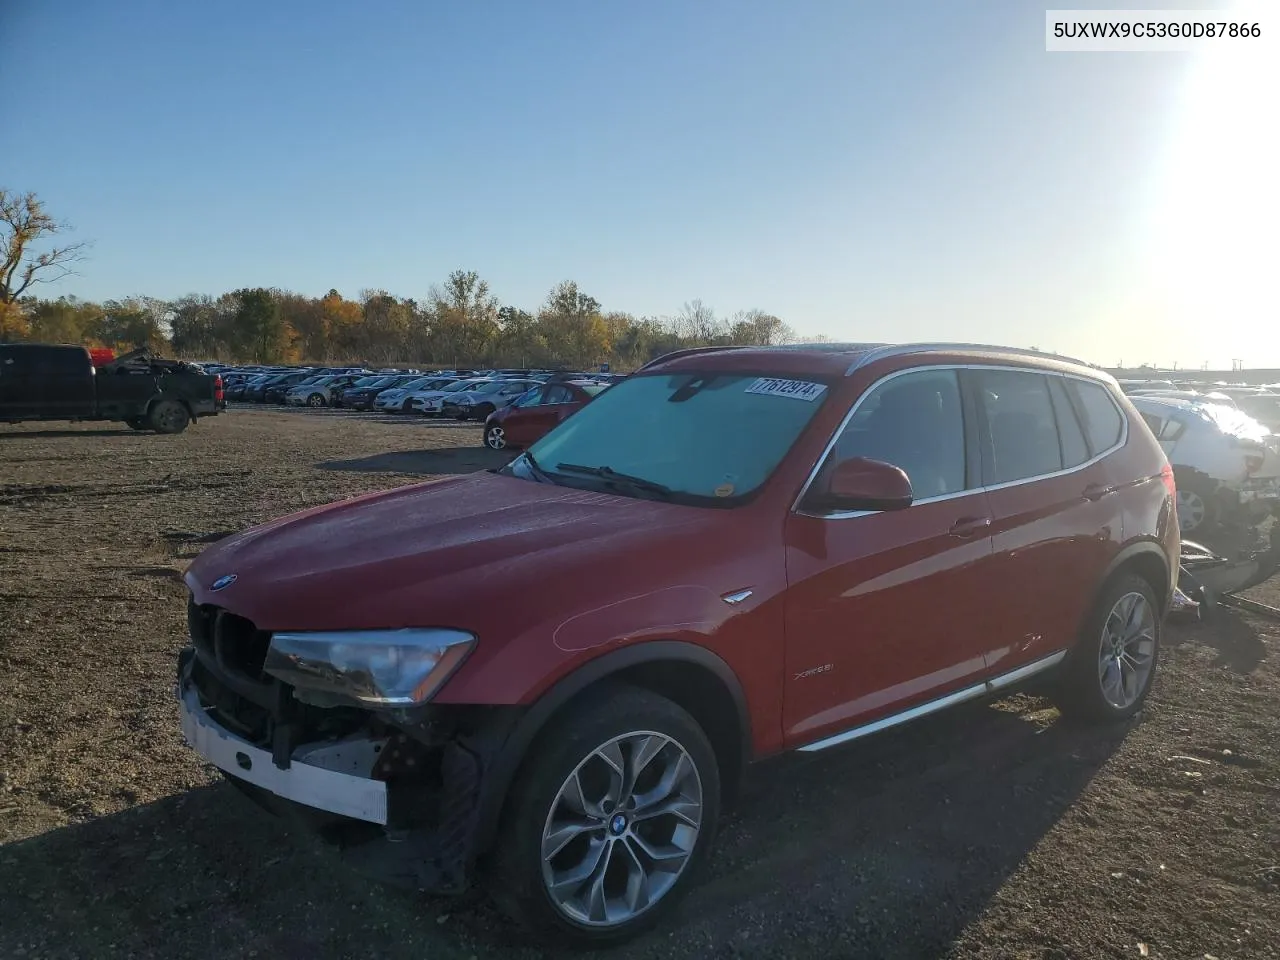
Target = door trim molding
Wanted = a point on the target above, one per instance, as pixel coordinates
(933, 706)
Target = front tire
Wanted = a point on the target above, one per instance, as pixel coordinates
(316, 400)
(1108, 674)
(495, 438)
(610, 819)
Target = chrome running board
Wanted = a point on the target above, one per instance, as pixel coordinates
(933, 706)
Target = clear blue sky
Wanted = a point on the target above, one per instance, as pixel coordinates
(882, 170)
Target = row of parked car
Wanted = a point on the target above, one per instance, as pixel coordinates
(516, 406)
(1223, 442)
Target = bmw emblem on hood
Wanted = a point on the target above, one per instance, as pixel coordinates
(223, 582)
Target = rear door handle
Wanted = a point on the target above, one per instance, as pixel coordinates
(970, 526)
(1096, 491)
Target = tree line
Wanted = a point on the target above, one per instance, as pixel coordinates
(459, 322)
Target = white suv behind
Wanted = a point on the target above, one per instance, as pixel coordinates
(1227, 465)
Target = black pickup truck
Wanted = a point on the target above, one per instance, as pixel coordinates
(41, 381)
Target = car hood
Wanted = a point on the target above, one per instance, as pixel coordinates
(439, 551)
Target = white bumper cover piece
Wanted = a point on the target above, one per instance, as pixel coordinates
(341, 793)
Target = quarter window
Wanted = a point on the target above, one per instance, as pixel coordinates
(915, 422)
(1154, 422)
(1024, 432)
(1075, 450)
(1102, 422)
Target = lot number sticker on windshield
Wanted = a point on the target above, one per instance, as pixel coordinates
(796, 389)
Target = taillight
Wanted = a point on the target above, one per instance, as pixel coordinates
(1166, 477)
(217, 389)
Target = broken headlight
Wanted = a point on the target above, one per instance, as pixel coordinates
(382, 667)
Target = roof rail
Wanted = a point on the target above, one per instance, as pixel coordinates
(687, 352)
(906, 349)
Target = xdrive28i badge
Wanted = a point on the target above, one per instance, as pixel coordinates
(223, 582)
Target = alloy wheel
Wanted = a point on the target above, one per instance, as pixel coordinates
(1192, 510)
(495, 438)
(1126, 651)
(622, 829)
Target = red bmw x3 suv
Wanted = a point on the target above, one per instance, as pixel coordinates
(550, 675)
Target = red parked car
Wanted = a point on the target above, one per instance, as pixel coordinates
(536, 413)
(550, 675)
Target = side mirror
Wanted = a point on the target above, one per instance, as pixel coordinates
(861, 484)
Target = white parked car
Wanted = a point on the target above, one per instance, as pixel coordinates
(319, 393)
(397, 400)
(484, 399)
(1226, 464)
(430, 402)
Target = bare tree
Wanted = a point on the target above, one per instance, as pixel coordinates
(23, 221)
(699, 323)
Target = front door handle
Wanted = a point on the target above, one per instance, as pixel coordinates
(967, 527)
(1096, 491)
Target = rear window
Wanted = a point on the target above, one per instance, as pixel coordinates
(1103, 423)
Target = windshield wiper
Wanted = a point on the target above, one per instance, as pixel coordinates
(612, 475)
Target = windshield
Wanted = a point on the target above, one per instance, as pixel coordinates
(493, 386)
(708, 438)
(456, 386)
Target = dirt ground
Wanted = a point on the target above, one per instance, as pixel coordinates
(997, 831)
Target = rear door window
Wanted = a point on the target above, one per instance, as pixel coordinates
(558, 394)
(916, 422)
(1103, 423)
(1021, 425)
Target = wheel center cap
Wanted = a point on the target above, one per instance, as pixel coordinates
(617, 824)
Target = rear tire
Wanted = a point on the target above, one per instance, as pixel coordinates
(1108, 674)
(168, 416)
(316, 400)
(1197, 504)
(641, 838)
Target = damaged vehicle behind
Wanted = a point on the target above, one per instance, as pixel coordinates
(1226, 463)
(550, 676)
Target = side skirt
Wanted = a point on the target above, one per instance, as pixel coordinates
(933, 706)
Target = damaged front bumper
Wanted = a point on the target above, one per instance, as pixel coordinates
(397, 793)
(307, 779)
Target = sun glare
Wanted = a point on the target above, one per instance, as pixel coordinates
(1215, 256)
